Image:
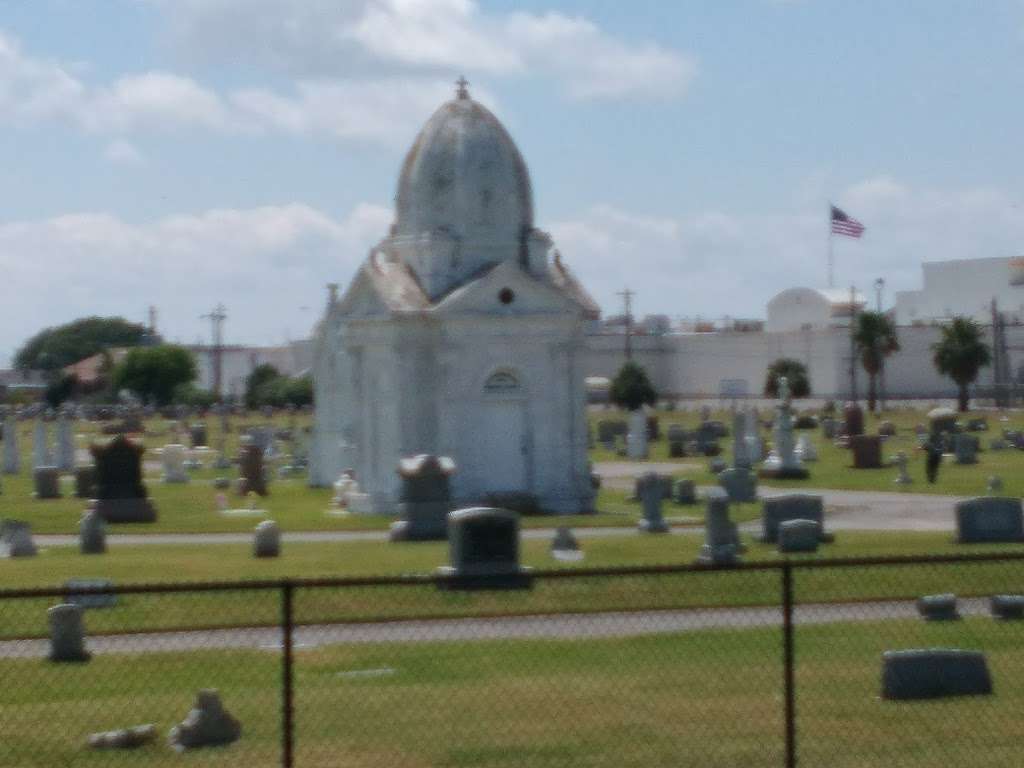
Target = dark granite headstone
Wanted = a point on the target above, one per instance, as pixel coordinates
(867, 451)
(483, 545)
(934, 673)
(853, 420)
(1007, 607)
(775, 511)
(426, 499)
(739, 483)
(85, 481)
(251, 467)
(989, 519)
(121, 496)
(88, 597)
(198, 435)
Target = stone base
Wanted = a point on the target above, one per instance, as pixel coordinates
(126, 510)
(419, 530)
(784, 473)
(647, 526)
(455, 581)
(718, 556)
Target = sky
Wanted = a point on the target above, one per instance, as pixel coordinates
(183, 153)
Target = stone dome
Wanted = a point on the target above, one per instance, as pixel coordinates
(464, 180)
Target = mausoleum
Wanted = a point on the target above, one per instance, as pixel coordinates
(461, 335)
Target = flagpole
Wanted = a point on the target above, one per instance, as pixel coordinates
(831, 260)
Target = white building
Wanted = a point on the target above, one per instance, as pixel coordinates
(461, 335)
(964, 287)
(798, 309)
(238, 362)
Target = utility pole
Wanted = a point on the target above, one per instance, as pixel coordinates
(1000, 358)
(627, 300)
(879, 285)
(853, 344)
(217, 318)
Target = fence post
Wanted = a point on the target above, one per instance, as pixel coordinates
(287, 722)
(788, 663)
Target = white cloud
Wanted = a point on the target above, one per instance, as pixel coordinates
(337, 38)
(265, 264)
(121, 152)
(716, 263)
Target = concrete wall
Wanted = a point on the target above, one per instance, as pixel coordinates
(961, 287)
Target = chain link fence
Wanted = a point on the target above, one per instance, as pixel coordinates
(763, 664)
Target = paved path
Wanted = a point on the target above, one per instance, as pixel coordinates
(557, 626)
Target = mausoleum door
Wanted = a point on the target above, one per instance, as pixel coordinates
(503, 450)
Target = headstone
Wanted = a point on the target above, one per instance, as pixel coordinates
(267, 541)
(123, 738)
(706, 439)
(253, 477)
(65, 459)
(829, 428)
(740, 453)
(47, 482)
(783, 461)
(636, 440)
(81, 592)
(41, 445)
(198, 435)
(776, 510)
(934, 673)
(721, 540)
(938, 607)
(67, 633)
(564, 545)
(965, 448)
(120, 495)
(426, 498)
(853, 420)
(208, 724)
(173, 458)
(995, 485)
(483, 546)
(12, 455)
(901, 464)
(653, 428)
(887, 429)
(977, 424)
(805, 449)
(666, 487)
(717, 466)
(1007, 607)
(651, 488)
(16, 539)
(799, 536)
(989, 519)
(998, 444)
(684, 492)
(867, 451)
(740, 484)
(92, 533)
(85, 481)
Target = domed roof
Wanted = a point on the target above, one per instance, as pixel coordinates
(465, 177)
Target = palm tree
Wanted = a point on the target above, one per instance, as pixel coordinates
(875, 339)
(960, 354)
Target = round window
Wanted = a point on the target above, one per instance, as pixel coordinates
(506, 296)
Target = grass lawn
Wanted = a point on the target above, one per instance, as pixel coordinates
(158, 563)
(709, 698)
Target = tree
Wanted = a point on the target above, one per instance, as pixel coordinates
(960, 354)
(62, 388)
(259, 383)
(55, 348)
(795, 373)
(154, 373)
(875, 339)
(631, 389)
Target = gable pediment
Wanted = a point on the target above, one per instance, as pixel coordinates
(507, 289)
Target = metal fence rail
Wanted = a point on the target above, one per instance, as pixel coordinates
(762, 664)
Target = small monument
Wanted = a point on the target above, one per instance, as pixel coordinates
(783, 462)
(776, 510)
(934, 673)
(41, 456)
(65, 459)
(805, 449)
(938, 607)
(853, 420)
(901, 464)
(483, 549)
(989, 519)
(651, 490)
(565, 547)
(253, 477)
(995, 485)
(267, 540)
(740, 449)
(121, 496)
(684, 491)
(92, 533)
(47, 482)
(867, 451)
(208, 724)
(16, 539)
(198, 435)
(965, 448)
(426, 499)
(739, 483)
(1007, 607)
(85, 481)
(12, 456)
(67, 633)
(173, 458)
(721, 539)
(799, 536)
(636, 439)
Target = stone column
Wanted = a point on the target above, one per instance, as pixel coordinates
(67, 633)
(636, 439)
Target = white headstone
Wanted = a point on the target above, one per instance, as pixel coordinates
(636, 438)
(65, 443)
(40, 445)
(173, 457)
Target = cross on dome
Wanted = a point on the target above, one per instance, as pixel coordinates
(463, 91)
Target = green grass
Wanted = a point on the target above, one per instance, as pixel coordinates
(709, 698)
(158, 563)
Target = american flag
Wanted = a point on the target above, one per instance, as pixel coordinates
(845, 225)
